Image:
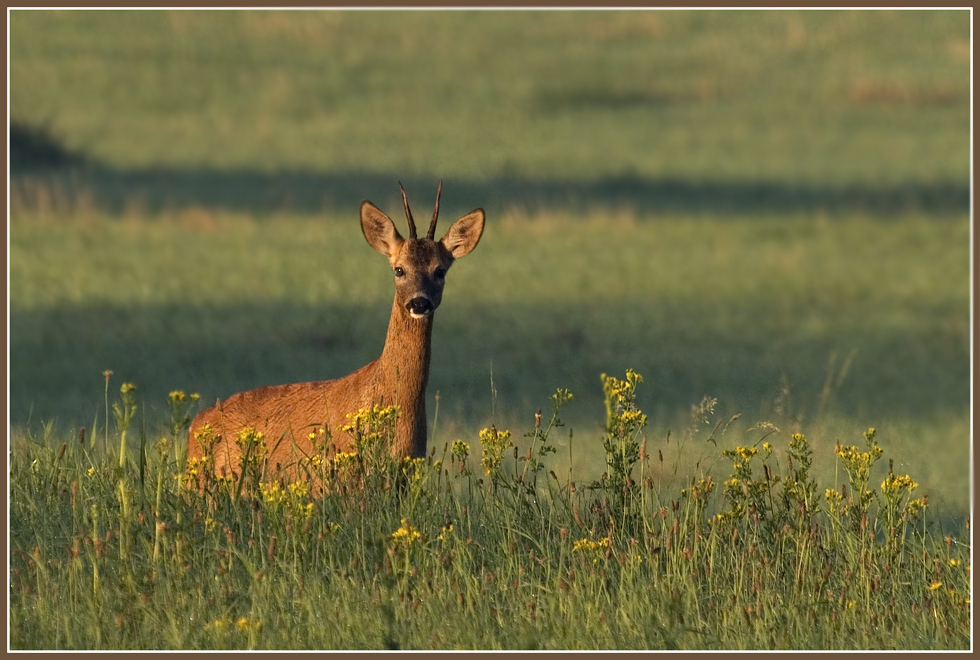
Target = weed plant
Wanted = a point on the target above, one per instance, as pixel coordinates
(478, 545)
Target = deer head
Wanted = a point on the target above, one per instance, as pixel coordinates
(420, 264)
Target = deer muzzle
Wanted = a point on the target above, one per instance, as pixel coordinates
(420, 307)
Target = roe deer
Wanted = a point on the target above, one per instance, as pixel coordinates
(286, 414)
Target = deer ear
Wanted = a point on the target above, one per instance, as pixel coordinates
(464, 234)
(379, 230)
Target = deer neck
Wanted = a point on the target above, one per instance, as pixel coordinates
(405, 359)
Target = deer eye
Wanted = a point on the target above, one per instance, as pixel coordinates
(399, 271)
(440, 273)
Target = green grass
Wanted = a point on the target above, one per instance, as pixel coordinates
(767, 208)
(444, 553)
(826, 98)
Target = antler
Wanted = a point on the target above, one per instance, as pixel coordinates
(408, 213)
(435, 214)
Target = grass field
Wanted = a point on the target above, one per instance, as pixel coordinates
(444, 553)
(767, 208)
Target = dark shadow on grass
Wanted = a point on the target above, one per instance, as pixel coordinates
(308, 192)
(38, 147)
(57, 357)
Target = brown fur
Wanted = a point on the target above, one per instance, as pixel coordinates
(286, 414)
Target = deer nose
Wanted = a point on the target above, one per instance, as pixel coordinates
(419, 307)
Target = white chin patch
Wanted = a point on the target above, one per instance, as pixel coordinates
(416, 315)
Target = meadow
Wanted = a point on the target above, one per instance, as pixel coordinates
(366, 551)
(765, 209)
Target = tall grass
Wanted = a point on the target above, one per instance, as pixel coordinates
(485, 543)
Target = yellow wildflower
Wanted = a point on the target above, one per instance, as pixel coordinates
(915, 506)
(494, 444)
(834, 498)
(588, 544)
(299, 489)
(218, 624)
(893, 484)
(344, 462)
(272, 492)
(406, 534)
(244, 625)
(460, 450)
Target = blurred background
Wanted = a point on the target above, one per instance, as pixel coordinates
(770, 208)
